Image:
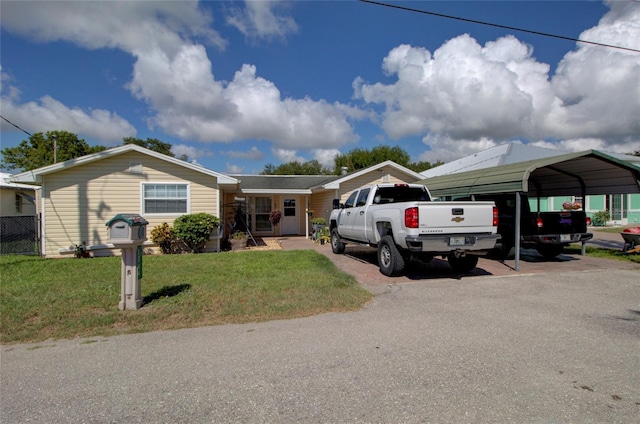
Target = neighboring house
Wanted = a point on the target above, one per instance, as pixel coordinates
(301, 198)
(80, 195)
(16, 199)
(623, 208)
(18, 217)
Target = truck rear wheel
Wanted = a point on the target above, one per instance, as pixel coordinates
(462, 264)
(550, 251)
(337, 246)
(390, 261)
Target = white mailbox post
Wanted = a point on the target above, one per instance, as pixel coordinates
(128, 232)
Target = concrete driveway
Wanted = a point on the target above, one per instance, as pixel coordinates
(361, 262)
(558, 346)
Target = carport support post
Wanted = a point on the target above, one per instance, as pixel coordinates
(517, 230)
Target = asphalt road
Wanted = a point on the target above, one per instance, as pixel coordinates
(531, 348)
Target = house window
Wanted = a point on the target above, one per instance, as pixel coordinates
(289, 207)
(263, 209)
(164, 198)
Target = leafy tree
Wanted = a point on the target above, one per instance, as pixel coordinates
(37, 151)
(312, 167)
(422, 166)
(155, 145)
(151, 144)
(358, 159)
(354, 160)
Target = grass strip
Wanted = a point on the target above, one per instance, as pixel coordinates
(44, 299)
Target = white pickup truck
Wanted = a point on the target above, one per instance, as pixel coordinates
(403, 222)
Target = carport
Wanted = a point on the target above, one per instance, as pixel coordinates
(575, 174)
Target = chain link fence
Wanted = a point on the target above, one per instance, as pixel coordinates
(19, 235)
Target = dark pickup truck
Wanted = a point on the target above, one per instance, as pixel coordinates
(547, 232)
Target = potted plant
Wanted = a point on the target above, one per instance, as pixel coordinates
(325, 235)
(238, 240)
(318, 223)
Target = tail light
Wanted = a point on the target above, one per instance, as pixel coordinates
(411, 218)
(495, 216)
(539, 222)
(588, 221)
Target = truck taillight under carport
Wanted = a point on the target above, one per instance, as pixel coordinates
(495, 216)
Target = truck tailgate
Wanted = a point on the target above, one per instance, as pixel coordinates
(456, 217)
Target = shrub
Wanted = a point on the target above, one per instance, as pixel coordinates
(195, 229)
(164, 237)
(319, 221)
(600, 218)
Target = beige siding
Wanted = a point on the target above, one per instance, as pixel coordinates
(10, 205)
(79, 201)
(321, 204)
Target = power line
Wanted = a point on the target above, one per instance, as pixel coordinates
(24, 131)
(473, 21)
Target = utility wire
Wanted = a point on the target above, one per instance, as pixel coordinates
(473, 21)
(24, 131)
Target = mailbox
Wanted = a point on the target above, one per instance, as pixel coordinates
(127, 228)
(128, 232)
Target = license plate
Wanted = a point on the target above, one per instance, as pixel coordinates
(565, 237)
(456, 241)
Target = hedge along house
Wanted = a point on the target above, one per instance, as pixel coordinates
(300, 198)
(623, 207)
(80, 195)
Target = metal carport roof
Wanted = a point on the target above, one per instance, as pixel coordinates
(579, 174)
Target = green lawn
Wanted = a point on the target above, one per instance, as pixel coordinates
(44, 299)
(601, 252)
(613, 230)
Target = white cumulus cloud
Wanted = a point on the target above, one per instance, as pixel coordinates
(49, 114)
(173, 74)
(262, 19)
(467, 97)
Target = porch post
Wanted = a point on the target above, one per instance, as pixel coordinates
(306, 216)
(517, 230)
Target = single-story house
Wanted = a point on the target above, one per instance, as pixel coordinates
(79, 196)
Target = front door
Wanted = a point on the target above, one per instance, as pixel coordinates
(290, 223)
(617, 209)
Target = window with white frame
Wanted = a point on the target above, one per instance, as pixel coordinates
(165, 198)
(263, 210)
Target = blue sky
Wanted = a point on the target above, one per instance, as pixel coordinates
(237, 85)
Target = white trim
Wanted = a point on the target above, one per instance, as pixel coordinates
(36, 175)
(275, 191)
(143, 212)
(335, 184)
